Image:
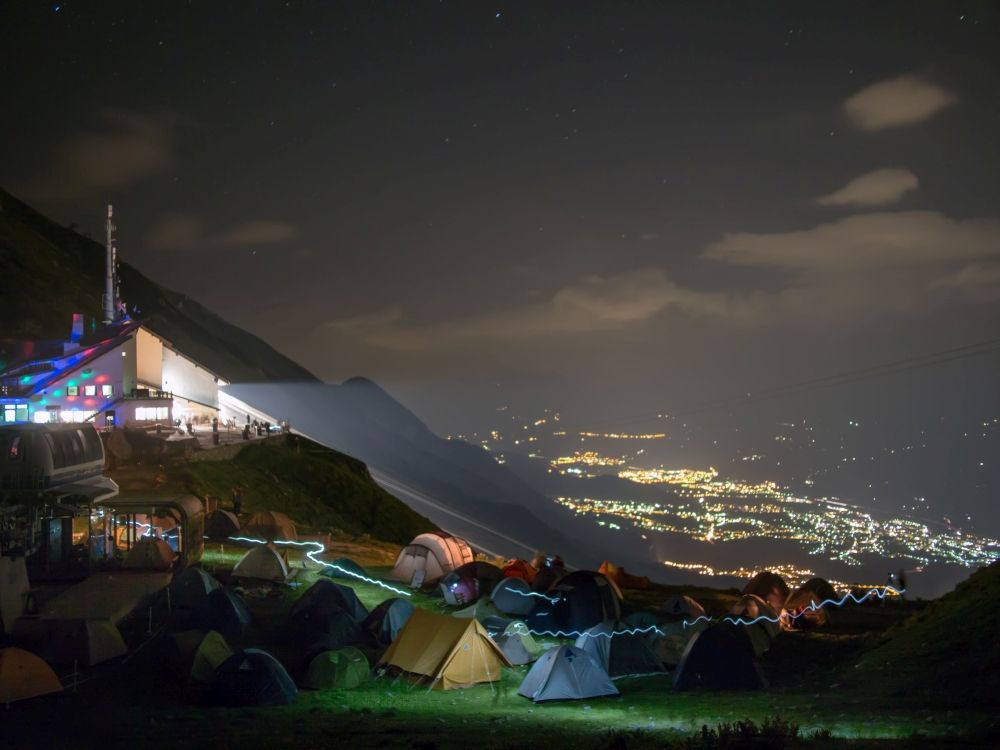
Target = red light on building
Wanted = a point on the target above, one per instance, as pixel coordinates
(100, 379)
(90, 401)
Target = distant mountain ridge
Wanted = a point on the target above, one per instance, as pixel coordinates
(50, 272)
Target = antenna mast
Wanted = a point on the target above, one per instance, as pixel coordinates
(110, 273)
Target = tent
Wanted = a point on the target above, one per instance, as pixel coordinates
(481, 610)
(517, 643)
(196, 655)
(221, 524)
(222, 610)
(549, 569)
(87, 642)
(450, 651)
(758, 619)
(430, 557)
(330, 632)
(518, 568)
(802, 609)
(344, 567)
(770, 587)
(620, 576)
(326, 596)
(683, 607)
(566, 673)
(149, 553)
(387, 619)
(579, 601)
(719, 658)
(514, 596)
(252, 677)
(669, 647)
(189, 587)
(262, 563)
(270, 526)
(470, 581)
(24, 675)
(346, 668)
(619, 652)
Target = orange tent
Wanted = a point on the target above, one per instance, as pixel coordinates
(24, 675)
(623, 579)
(518, 568)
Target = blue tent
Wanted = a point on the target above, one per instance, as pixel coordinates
(619, 650)
(252, 677)
(221, 610)
(566, 673)
(344, 567)
(387, 619)
(579, 601)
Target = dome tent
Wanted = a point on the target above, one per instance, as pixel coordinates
(518, 568)
(221, 524)
(343, 567)
(429, 557)
(149, 553)
(196, 655)
(88, 642)
(325, 597)
(190, 586)
(684, 607)
(270, 526)
(623, 578)
(252, 677)
(262, 563)
(579, 601)
(513, 596)
(803, 610)
(719, 658)
(346, 668)
(222, 610)
(470, 581)
(566, 673)
(758, 619)
(387, 619)
(619, 652)
(24, 675)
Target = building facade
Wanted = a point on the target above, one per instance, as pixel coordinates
(121, 375)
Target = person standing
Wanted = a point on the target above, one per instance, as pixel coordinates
(237, 499)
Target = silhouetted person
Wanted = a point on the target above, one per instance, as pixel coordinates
(237, 499)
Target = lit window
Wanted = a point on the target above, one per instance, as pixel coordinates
(9, 414)
(107, 389)
(90, 390)
(140, 413)
(72, 390)
(161, 412)
(41, 417)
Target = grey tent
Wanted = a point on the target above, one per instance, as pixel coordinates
(222, 610)
(621, 653)
(719, 658)
(579, 601)
(682, 606)
(189, 587)
(513, 648)
(513, 596)
(221, 524)
(262, 563)
(387, 619)
(325, 597)
(566, 673)
(252, 677)
(770, 587)
(344, 567)
(88, 642)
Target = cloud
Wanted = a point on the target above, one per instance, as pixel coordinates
(906, 100)
(125, 148)
(881, 187)
(863, 242)
(176, 231)
(593, 304)
(972, 275)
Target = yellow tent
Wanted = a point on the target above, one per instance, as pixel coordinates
(451, 651)
(24, 675)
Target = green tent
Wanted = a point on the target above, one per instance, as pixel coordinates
(482, 609)
(346, 668)
(521, 630)
(196, 655)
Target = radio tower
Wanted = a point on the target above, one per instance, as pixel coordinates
(111, 273)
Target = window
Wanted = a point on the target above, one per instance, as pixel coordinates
(107, 389)
(9, 414)
(72, 390)
(90, 390)
(162, 412)
(41, 417)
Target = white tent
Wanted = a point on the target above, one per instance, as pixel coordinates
(429, 557)
(263, 563)
(566, 673)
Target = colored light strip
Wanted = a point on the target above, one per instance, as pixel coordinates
(319, 549)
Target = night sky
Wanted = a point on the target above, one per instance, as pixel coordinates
(607, 208)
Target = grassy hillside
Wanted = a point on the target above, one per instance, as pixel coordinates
(50, 272)
(318, 488)
(947, 653)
